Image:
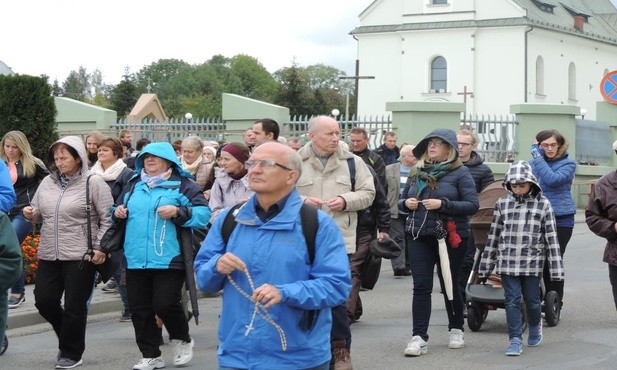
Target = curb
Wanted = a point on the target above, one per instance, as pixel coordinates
(32, 317)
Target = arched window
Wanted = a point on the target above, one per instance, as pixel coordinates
(439, 74)
(572, 81)
(539, 76)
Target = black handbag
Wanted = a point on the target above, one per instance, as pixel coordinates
(113, 239)
(113, 261)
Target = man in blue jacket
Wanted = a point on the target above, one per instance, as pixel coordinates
(265, 272)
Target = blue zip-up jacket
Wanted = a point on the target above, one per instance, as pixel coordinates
(152, 242)
(275, 253)
(555, 178)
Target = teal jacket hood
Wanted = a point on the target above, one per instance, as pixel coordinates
(162, 150)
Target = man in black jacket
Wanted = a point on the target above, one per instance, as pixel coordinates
(482, 176)
(359, 147)
(388, 151)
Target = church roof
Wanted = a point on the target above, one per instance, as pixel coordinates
(600, 19)
(4, 69)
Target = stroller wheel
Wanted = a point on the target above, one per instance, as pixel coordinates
(476, 316)
(4, 346)
(552, 308)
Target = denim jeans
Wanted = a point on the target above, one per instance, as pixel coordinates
(527, 288)
(324, 366)
(423, 256)
(22, 228)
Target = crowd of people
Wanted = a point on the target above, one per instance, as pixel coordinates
(235, 217)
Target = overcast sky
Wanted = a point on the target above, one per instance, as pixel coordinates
(55, 37)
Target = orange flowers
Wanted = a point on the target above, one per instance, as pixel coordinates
(31, 262)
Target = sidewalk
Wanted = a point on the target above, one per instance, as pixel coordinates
(102, 302)
(26, 314)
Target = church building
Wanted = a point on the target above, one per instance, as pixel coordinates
(489, 54)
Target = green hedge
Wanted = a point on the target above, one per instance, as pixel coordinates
(26, 104)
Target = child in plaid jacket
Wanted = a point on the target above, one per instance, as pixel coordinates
(522, 235)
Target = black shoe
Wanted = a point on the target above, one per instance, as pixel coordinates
(126, 316)
(402, 271)
(4, 345)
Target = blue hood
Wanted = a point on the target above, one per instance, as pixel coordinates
(162, 150)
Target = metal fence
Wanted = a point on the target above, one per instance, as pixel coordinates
(216, 129)
(496, 135)
(375, 126)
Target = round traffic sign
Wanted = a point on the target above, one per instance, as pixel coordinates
(608, 87)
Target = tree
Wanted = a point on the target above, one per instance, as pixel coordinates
(124, 95)
(294, 92)
(56, 90)
(256, 82)
(26, 104)
(77, 85)
(158, 75)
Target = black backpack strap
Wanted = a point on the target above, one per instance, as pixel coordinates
(351, 163)
(229, 223)
(310, 224)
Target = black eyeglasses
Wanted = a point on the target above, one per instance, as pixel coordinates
(264, 163)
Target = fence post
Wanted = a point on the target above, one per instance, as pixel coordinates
(412, 121)
(533, 118)
(607, 112)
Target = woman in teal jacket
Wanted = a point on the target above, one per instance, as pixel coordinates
(160, 200)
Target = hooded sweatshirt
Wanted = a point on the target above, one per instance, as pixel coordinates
(63, 210)
(522, 232)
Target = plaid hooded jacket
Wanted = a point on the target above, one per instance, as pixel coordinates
(522, 232)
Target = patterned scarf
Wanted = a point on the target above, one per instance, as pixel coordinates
(430, 174)
(155, 180)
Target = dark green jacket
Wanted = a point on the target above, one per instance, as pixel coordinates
(10, 265)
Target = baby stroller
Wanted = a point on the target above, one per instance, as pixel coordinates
(490, 296)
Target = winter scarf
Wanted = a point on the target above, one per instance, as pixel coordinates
(153, 181)
(191, 168)
(430, 174)
(111, 173)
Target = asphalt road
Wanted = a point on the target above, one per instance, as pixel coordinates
(585, 338)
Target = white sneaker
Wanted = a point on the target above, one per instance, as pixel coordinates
(456, 339)
(183, 352)
(416, 347)
(150, 364)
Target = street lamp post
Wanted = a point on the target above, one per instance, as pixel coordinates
(335, 112)
(189, 116)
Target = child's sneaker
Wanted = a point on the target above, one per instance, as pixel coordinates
(535, 335)
(416, 347)
(456, 339)
(515, 348)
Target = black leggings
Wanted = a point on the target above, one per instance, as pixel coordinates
(563, 237)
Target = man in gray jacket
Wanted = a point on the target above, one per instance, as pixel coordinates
(326, 183)
(396, 176)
